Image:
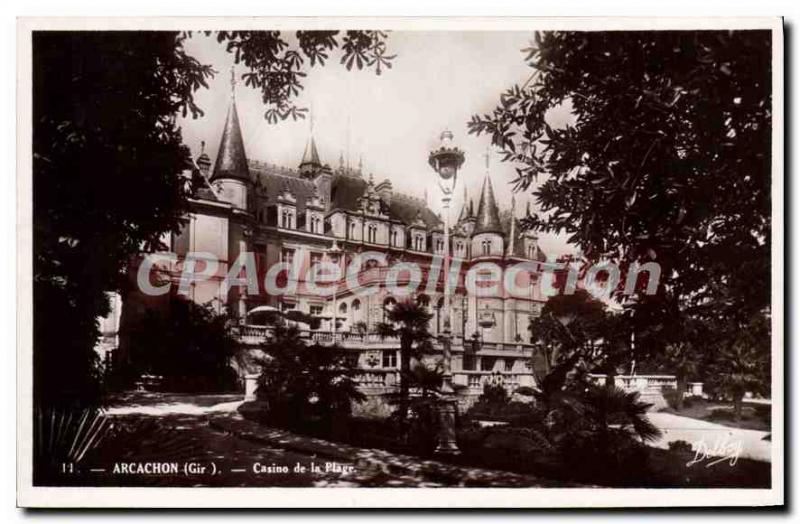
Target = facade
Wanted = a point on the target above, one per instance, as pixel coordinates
(315, 213)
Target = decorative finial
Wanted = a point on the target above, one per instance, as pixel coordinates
(446, 137)
(360, 164)
(233, 81)
(202, 146)
(487, 156)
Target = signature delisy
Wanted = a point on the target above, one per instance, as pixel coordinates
(724, 448)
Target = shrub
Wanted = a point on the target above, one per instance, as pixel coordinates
(494, 394)
(189, 345)
(309, 388)
(680, 445)
(525, 391)
(763, 412)
(515, 413)
(671, 395)
(517, 440)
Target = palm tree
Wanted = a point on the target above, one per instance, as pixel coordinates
(408, 321)
(612, 406)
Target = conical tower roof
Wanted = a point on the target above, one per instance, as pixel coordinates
(464, 213)
(231, 159)
(488, 219)
(310, 155)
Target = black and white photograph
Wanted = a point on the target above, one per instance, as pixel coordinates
(400, 262)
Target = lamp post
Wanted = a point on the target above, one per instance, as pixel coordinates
(446, 161)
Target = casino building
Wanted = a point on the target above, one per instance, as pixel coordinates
(318, 213)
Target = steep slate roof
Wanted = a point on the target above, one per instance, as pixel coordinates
(488, 219)
(231, 159)
(310, 155)
(274, 180)
(405, 209)
(347, 189)
(519, 243)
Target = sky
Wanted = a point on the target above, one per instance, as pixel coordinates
(389, 122)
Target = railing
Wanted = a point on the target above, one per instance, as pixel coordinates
(645, 383)
(381, 378)
(254, 335)
(475, 380)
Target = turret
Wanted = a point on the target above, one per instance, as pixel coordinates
(310, 164)
(311, 168)
(231, 177)
(203, 161)
(487, 236)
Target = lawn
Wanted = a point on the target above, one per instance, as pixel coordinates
(754, 415)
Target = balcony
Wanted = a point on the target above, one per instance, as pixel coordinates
(253, 335)
(475, 380)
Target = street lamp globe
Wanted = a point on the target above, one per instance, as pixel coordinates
(447, 159)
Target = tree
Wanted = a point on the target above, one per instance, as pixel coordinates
(305, 385)
(188, 344)
(408, 321)
(108, 160)
(684, 356)
(107, 164)
(276, 67)
(578, 325)
(665, 158)
(742, 363)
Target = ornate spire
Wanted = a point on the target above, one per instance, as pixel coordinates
(231, 159)
(203, 161)
(310, 155)
(513, 232)
(310, 163)
(464, 213)
(488, 220)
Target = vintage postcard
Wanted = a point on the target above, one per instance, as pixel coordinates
(384, 262)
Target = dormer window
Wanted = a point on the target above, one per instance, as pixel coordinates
(287, 219)
(315, 224)
(419, 242)
(486, 247)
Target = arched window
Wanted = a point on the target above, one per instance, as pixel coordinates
(388, 305)
(439, 306)
(424, 300)
(342, 308)
(355, 307)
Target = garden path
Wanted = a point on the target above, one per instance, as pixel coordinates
(715, 439)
